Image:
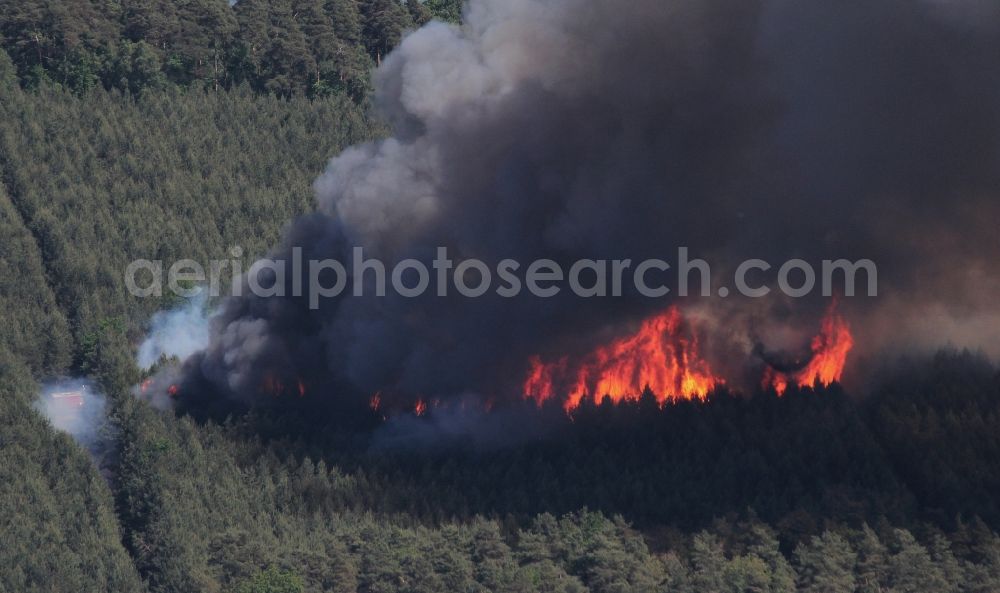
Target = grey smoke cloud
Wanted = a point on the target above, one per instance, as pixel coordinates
(177, 333)
(75, 407)
(573, 129)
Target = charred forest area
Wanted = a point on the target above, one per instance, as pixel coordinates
(152, 128)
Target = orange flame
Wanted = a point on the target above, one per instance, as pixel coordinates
(376, 401)
(660, 355)
(420, 408)
(276, 387)
(271, 385)
(172, 390)
(829, 355)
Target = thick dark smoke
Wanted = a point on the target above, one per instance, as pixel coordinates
(570, 129)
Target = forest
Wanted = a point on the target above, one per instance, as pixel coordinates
(141, 128)
(282, 47)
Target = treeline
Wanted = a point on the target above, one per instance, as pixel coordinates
(286, 47)
(206, 509)
(923, 448)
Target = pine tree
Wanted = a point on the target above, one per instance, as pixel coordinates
(825, 564)
(288, 61)
(383, 23)
(346, 19)
(446, 10)
(872, 562)
(764, 545)
(317, 27)
(910, 568)
(419, 14)
(708, 562)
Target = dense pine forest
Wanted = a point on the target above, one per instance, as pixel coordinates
(153, 128)
(284, 47)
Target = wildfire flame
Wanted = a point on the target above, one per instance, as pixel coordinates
(276, 387)
(660, 355)
(829, 355)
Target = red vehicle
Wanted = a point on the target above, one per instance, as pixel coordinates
(66, 406)
(69, 399)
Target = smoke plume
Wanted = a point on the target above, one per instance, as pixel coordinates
(75, 407)
(177, 333)
(570, 129)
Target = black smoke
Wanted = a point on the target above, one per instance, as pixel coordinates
(570, 129)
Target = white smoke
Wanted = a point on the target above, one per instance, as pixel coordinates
(75, 407)
(177, 333)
